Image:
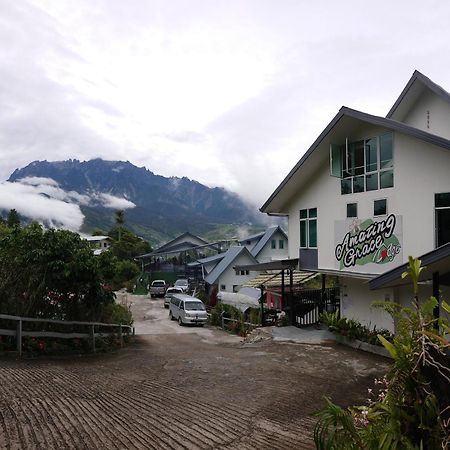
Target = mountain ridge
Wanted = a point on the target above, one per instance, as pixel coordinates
(165, 206)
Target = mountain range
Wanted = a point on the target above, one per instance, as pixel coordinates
(164, 206)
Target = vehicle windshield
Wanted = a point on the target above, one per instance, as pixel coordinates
(174, 291)
(158, 284)
(194, 306)
(181, 283)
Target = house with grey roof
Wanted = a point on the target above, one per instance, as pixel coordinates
(369, 192)
(269, 245)
(219, 270)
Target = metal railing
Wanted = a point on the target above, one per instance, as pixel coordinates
(19, 332)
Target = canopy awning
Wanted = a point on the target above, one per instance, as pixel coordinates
(435, 262)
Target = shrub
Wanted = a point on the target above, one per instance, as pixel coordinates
(412, 409)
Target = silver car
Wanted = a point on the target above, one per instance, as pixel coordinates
(187, 310)
(169, 294)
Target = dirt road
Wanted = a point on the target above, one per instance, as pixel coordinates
(179, 388)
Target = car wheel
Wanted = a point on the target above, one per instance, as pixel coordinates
(171, 316)
(180, 322)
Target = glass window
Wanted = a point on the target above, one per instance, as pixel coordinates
(366, 165)
(442, 205)
(313, 233)
(308, 228)
(273, 244)
(380, 207)
(442, 200)
(223, 287)
(372, 182)
(386, 179)
(303, 240)
(358, 184)
(336, 160)
(281, 244)
(386, 151)
(352, 210)
(346, 186)
(371, 155)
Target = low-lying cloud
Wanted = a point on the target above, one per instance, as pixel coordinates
(42, 200)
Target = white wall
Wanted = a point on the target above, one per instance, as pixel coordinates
(430, 113)
(229, 277)
(356, 301)
(420, 171)
(268, 254)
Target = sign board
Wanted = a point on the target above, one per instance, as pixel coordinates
(368, 245)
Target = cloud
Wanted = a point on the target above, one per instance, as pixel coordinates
(113, 202)
(41, 199)
(29, 202)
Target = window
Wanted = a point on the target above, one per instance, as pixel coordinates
(223, 287)
(273, 244)
(380, 207)
(242, 272)
(281, 244)
(352, 209)
(308, 228)
(365, 165)
(442, 218)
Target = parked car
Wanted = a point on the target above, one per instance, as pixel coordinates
(187, 310)
(169, 294)
(183, 284)
(158, 288)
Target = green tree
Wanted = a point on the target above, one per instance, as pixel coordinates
(51, 274)
(120, 220)
(13, 219)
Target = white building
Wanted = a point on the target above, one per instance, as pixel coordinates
(99, 243)
(269, 245)
(369, 192)
(219, 270)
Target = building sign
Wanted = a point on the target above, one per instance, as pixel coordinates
(369, 243)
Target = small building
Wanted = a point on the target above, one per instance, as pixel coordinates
(219, 270)
(99, 243)
(269, 245)
(368, 193)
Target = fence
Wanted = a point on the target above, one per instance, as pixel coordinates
(307, 304)
(19, 332)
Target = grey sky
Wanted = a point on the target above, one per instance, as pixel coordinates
(229, 93)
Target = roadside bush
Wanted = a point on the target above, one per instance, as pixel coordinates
(116, 313)
(229, 312)
(352, 329)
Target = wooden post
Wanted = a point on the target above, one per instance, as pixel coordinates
(120, 335)
(263, 322)
(322, 294)
(93, 337)
(223, 322)
(19, 336)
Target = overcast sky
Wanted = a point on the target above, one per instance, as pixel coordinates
(229, 93)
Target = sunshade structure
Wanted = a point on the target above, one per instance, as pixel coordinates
(275, 279)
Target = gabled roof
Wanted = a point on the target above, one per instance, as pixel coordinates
(253, 237)
(228, 259)
(412, 91)
(353, 114)
(207, 260)
(178, 240)
(265, 238)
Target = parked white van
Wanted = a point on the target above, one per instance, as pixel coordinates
(187, 310)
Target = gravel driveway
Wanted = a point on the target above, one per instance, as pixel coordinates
(179, 388)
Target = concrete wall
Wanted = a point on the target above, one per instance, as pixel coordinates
(430, 113)
(268, 254)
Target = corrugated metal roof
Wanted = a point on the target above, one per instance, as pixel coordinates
(266, 237)
(207, 260)
(229, 256)
(274, 279)
(252, 237)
